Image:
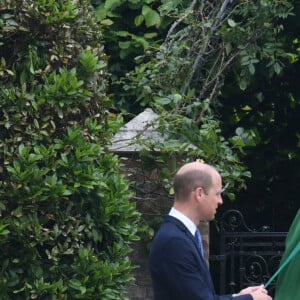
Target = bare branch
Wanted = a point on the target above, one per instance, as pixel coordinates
(175, 24)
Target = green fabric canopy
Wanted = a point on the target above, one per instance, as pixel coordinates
(288, 284)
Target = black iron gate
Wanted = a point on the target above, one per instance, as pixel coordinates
(247, 256)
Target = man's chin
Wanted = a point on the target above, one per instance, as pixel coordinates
(212, 217)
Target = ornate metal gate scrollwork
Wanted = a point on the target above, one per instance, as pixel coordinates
(247, 256)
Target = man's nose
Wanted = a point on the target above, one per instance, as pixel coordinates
(220, 200)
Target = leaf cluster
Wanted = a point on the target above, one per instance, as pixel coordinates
(183, 78)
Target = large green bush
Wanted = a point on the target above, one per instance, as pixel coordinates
(66, 219)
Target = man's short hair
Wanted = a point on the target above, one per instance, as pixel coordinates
(185, 183)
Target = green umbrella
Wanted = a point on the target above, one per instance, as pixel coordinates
(288, 284)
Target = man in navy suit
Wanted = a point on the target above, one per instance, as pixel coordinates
(176, 261)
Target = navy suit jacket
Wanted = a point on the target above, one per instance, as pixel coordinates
(177, 268)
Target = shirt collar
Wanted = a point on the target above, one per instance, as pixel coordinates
(189, 224)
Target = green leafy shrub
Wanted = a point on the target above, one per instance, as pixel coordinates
(66, 219)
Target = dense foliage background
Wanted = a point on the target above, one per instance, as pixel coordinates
(223, 76)
(66, 216)
(269, 108)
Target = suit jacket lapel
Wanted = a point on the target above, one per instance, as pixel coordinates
(183, 228)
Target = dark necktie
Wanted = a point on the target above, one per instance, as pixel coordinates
(199, 241)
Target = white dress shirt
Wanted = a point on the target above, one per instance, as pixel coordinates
(189, 224)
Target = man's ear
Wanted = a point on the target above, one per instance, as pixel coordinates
(199, 192)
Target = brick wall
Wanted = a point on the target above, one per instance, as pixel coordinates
(141, 288)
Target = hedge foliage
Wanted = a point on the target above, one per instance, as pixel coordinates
(66, 217)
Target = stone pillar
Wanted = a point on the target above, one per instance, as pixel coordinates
(204, 229)
(151, 198)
